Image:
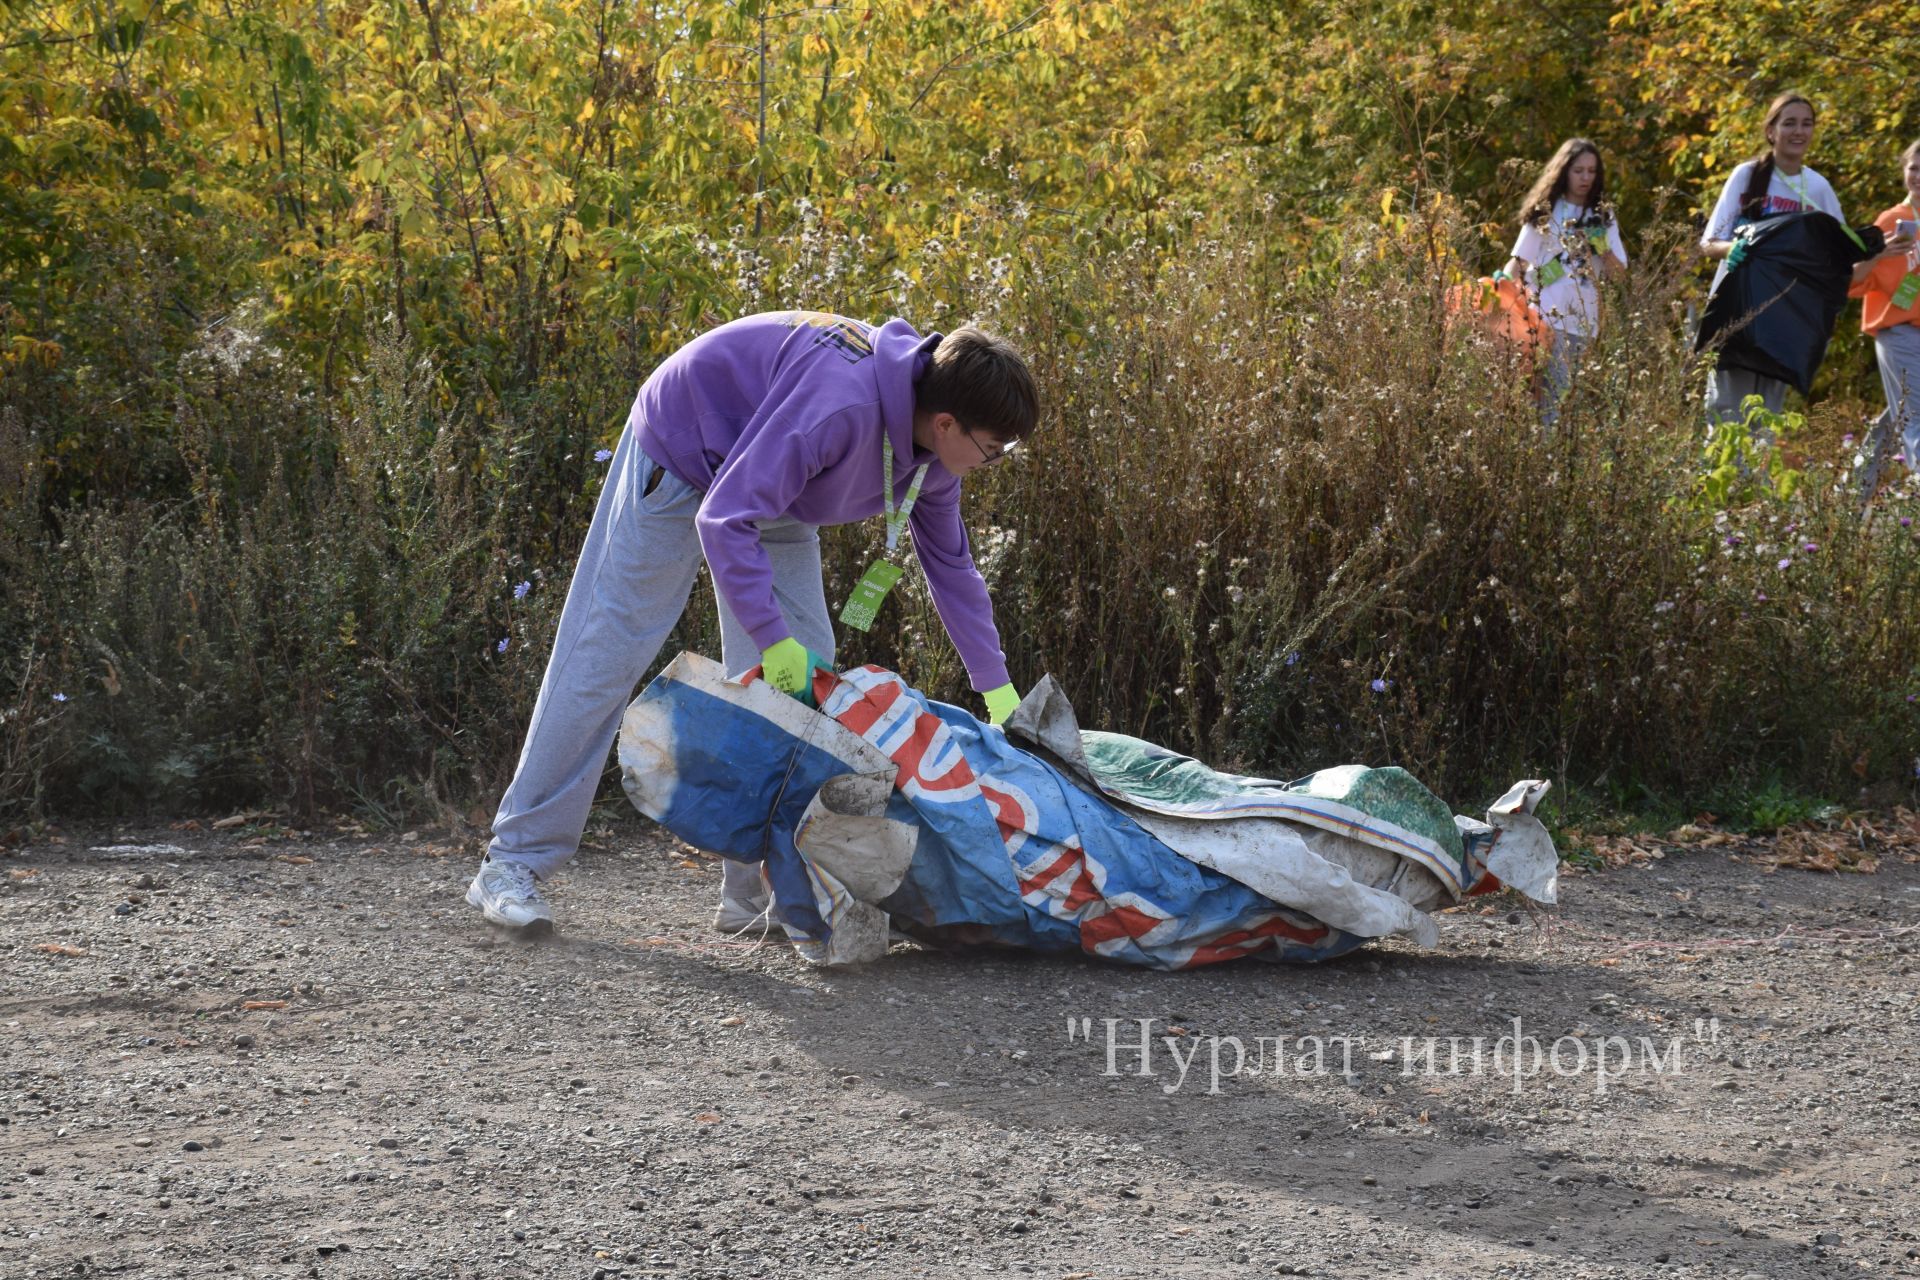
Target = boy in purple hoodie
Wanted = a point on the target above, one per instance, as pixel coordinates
(738, 447)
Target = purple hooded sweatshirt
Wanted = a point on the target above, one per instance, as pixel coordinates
(780, 415)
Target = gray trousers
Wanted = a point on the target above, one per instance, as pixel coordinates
(1562, 359)
(629, 589)
(1898, 349)
(1729, 388)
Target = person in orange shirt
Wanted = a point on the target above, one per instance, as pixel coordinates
(1889, 286)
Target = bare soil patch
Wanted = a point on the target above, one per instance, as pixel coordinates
(271, 1054)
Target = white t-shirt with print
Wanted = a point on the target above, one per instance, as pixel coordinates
(1803, 191)
(1571, 303)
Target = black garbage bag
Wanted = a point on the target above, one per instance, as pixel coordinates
(1774, 312)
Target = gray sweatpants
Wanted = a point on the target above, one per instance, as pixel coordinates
(629, 589)
(1898, 349)
(1728, 389)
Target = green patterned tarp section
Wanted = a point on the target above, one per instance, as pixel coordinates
(1389, 799)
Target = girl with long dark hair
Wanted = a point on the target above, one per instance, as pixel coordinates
(1569, 239)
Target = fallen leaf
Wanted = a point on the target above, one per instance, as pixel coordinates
(708, 1117)
(295, 860)
(227, 824)
(1806, 849)
(255, 1005)
(60, 949)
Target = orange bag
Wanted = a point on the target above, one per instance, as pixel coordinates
(1502, 308)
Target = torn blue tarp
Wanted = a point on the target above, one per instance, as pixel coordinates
(886, 809)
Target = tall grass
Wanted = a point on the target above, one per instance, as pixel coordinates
(1279, 513)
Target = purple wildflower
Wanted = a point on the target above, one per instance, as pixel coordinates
(1378, 686)
(1905, 521)
(1293, 658)
(601, 455)
(502, 646)
(1786, 562)
(1809, 547)
(59, 697)
(520, 590)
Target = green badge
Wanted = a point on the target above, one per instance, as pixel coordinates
(863, 606)
(1551, 272)
(1597, 237)
(1909, 290)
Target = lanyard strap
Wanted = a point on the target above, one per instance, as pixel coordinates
(1799, 188)
(896, 520)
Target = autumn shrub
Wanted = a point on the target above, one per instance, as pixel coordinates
(1282, 516)
(1284, 510)
(322, 614)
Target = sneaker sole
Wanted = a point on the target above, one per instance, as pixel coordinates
(541, 928)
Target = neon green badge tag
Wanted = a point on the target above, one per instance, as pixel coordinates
(1597, 237)
(1551, 272)
(863, 606)
(1909, 290)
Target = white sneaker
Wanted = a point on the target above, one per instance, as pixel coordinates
(506, 894)
(745, 915)
(746, 901)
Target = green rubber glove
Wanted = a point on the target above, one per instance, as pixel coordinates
(788, 666)
(1000, 703)
(1738, 254)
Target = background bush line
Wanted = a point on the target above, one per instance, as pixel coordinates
(1280, 518)
(314, 317)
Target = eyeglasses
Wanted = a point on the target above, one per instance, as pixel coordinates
(988, 459)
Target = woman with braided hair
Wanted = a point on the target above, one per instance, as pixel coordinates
(1776, 181)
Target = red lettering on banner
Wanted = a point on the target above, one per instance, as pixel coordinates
(875, 701)
(1231, 946)
(1072, 860)
(1120, 922)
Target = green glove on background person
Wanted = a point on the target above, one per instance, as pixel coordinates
(1000, 703)
(1738, 253)
(788, 666)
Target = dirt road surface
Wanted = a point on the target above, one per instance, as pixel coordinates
(266, 1054)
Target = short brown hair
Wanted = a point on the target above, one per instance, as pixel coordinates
(981, 379)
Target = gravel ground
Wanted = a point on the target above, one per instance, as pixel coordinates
(275, 1054)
